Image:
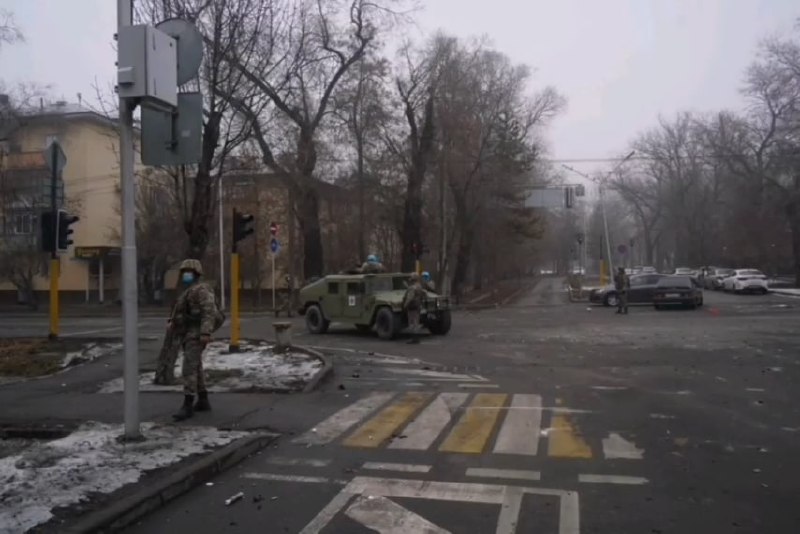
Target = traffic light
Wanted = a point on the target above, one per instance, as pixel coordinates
(65, 220)
(569, 197)
(49, 229)
(241, 226)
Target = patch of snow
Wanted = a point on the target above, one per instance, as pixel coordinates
(89, 352)
(67, 471)
(256, 367)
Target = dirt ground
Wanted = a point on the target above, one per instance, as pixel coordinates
(30, 357)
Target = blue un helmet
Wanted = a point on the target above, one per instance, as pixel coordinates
(426, 276)
(372, 258)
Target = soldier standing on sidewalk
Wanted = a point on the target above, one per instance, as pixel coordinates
(195, 318)
(622, 283)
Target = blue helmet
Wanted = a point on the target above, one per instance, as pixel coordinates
(426, 276)
(372, 258)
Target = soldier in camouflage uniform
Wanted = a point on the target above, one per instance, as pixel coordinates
(622, 283)
(412, 304)
(194, 319)
(427, 282)
(373, 265)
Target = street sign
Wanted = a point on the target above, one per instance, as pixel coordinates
(189, 41)
(273, 229)
(274, 245)
(622, 249)
(54, 154)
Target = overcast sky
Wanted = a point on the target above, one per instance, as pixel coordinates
(620, 63)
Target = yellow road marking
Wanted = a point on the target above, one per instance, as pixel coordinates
(475, 427)
(563, 442)
(386, 422)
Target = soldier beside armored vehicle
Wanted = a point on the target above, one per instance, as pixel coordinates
(369, 301)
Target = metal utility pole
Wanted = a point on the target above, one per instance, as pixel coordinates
(605, 231)
(221, 246)
(54, 263)
(130, 304)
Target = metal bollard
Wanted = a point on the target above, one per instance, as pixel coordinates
(283, 335)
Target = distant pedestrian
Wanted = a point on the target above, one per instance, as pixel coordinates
(622, 283)
(412, 304)
(195, 317)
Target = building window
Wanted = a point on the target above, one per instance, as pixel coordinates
(22, 224)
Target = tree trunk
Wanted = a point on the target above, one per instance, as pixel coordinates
(362, 226)
(313, 258)
(462, 259)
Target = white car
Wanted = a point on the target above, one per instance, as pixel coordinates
(746, 280)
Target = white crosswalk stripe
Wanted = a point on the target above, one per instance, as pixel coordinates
(422, 432)
(521, 429)
(341, 421)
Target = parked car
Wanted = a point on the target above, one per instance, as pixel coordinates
(649, 270)
(641, 291)
(713, 278)
(684, 271)
(677, 291)
(746, 281)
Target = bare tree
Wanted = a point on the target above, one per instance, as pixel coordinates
(9, 31)
(312, 46)
(230, 27)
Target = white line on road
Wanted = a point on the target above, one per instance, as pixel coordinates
(478, 386)
(615, 446)
(610, 388)
(520, 431)
(519, 474)
(612, 479)
(755, 390)
(327, 514)
(338, 423)
(97, 331)
(386, 517)
(422, 432)
(294, 478)
(403, 468)
(310, 462)
(423, 374)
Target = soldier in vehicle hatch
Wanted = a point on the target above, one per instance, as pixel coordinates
(622, 283)
(373, 265)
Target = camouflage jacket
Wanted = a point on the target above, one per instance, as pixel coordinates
(414, 296)
(622, 282)
(195, 312)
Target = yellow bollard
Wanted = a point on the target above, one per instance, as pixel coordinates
(603, 273)
(235, 327)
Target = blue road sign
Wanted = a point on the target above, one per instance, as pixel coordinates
(274, 245)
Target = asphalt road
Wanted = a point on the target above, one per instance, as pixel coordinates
(543, 417)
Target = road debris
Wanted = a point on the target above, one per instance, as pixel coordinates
(233, 498)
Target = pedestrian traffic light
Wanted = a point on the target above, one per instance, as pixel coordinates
(65, 220)
(49, 229)
(241, 226)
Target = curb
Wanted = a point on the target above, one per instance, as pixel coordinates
(325, 372)
(123, 512)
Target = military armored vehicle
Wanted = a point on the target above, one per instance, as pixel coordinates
(368, 302)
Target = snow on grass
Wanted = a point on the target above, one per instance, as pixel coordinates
(254, 367)
(90, 352)
(89, 461)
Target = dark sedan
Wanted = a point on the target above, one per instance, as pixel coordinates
(677, 291)
(641, 291)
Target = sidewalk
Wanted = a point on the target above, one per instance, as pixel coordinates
(499, 294)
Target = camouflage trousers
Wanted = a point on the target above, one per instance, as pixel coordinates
(413, 320)
(194, 381)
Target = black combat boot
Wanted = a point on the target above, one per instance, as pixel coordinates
(202, 404)
(186, 410)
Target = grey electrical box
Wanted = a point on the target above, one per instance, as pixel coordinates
(172, 138)
(147, 66)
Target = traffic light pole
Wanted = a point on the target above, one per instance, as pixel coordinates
(54, 264)
(235, 327)
(130, 305)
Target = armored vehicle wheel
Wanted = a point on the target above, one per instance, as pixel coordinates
(441, 326)
(315, 321)
(387, 324)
